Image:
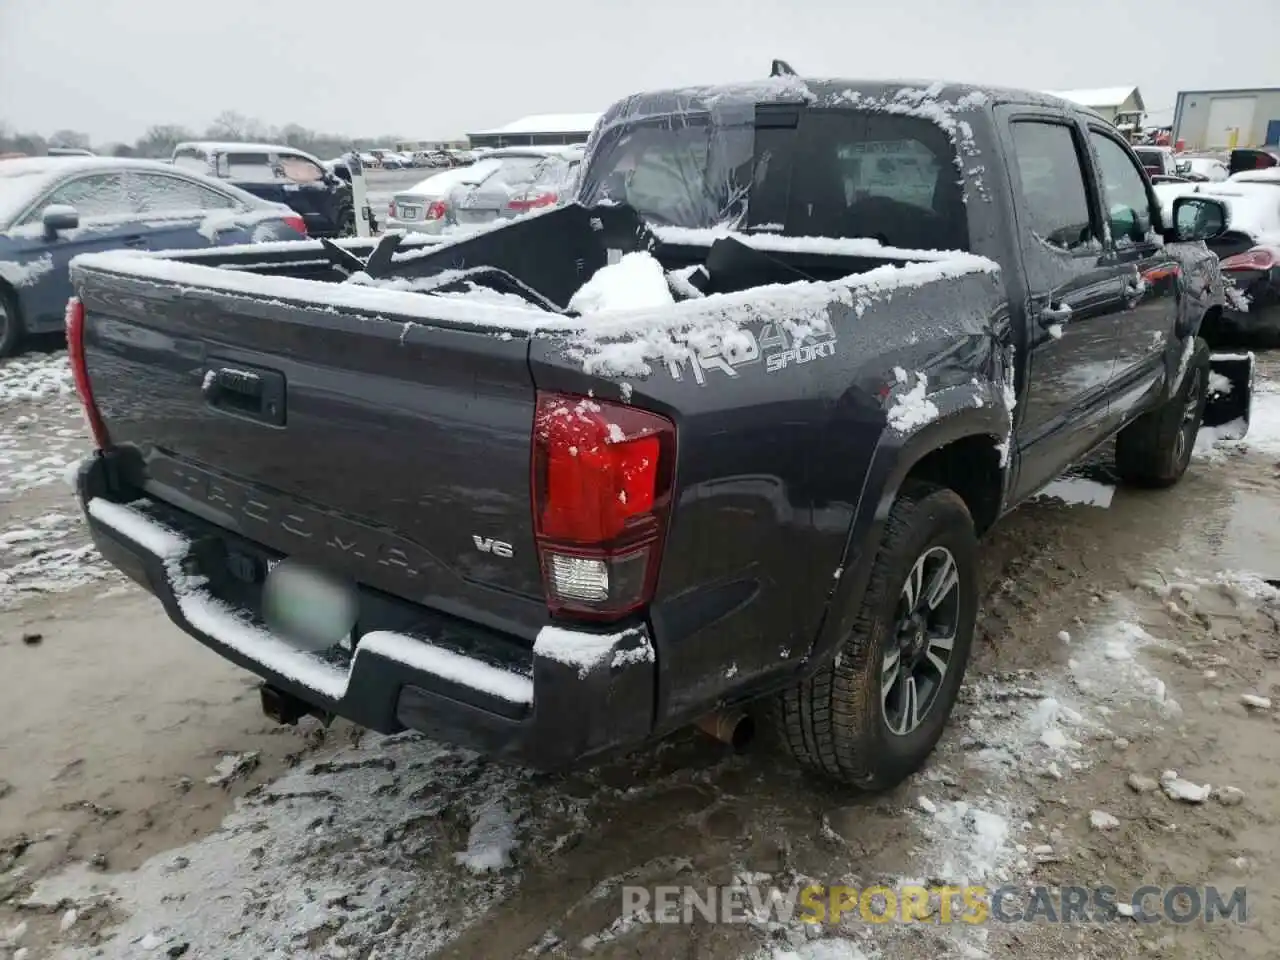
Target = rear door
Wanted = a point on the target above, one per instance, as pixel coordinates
(1150, 277)
(1073, 292)
(107, 222)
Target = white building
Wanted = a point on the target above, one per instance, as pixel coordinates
(1223, 119)
(1119, 105)
(538, 130)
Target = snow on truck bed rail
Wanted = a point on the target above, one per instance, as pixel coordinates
(622, 340)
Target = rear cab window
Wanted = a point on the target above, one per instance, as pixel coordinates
(857, 173)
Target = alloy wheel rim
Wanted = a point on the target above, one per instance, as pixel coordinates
(1190, 411)
(919, 650)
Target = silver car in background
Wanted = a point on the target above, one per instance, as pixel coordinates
(426, 207)
(528, 178)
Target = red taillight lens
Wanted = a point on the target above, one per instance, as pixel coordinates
(602, 476)
(1259, 258)
(80, 372)
(297, 223)
(435, 211)
(532, 203)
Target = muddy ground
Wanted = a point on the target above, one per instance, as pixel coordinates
(148, 809)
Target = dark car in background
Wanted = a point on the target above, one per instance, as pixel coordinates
(52, 208)
(1248, 252)
(279, 174)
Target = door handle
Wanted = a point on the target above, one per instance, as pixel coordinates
(1052, 315)
(137, 240)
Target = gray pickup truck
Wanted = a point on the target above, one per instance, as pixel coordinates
(715, 441)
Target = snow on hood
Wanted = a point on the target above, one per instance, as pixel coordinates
(1252, 208)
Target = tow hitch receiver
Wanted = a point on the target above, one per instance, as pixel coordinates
(1230, 399)
(283, 707)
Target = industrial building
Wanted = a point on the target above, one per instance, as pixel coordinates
(1121, 106)
(1225, 119)
(539, 130)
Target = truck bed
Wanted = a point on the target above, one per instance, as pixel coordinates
(378, 424)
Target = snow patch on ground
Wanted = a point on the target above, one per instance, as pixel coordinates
(35, 376)
(1262, 439)
(343, 855)
(46, 555)
(1079, 490)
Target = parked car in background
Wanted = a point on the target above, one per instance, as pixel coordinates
(428, 206)
(1248, 253)
(1157, 161)
(1200, 168)
(52, 208)
(279, 174)
(1253, 158)
(70, 152)
(528, 178)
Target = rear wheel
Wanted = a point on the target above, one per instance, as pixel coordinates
(871, 717)
(1155, 450)
(11, 327)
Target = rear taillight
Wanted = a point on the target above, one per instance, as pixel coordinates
(602, 476)
(1259, 258)
(297, 223)
(80, 372)
(435, 210)
(532, 203)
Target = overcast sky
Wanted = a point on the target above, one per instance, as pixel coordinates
(439, 68)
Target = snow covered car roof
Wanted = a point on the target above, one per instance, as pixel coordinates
(210, 147)
(937, 100)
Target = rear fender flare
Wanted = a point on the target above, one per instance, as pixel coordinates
(973, 410)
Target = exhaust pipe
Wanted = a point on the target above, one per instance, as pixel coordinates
(732, 727)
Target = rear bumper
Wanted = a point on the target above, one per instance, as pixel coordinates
(573, 696)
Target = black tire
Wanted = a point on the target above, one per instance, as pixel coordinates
(346, 220)
(11, 326)
(1155, 450)
(836, 722)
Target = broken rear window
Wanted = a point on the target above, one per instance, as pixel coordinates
(827, 173)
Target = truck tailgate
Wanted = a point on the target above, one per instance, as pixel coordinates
(396, 454)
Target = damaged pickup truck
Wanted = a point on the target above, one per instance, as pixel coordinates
(717, 440)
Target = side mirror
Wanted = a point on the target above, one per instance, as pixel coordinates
(1198, 218)
(59, 216)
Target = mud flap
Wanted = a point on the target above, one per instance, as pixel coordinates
(1230, 400)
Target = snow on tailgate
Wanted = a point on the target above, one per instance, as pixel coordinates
(624, 339)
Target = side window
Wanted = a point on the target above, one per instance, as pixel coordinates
(1127, 204)
(1053, 192)
(100, 195)
(157, 193)
(251, 167)
(299, 169)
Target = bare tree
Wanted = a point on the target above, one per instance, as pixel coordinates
(229, 125)
(160, 140)
(69, 138)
